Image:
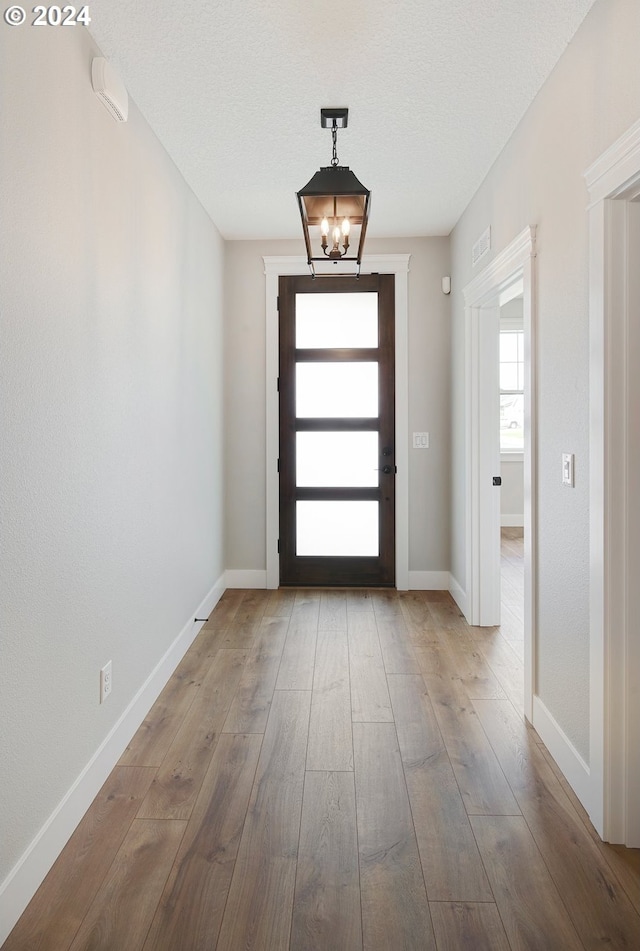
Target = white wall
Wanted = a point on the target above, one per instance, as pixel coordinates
(111, 429)
(591, 98)
(429, 386)
(511, 492)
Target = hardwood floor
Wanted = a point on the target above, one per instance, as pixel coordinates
(338, 771)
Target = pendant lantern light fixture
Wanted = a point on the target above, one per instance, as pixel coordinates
(334, 205)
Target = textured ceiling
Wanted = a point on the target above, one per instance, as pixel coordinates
(435, 88)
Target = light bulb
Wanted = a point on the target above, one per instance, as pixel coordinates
(324, 227)
(336, 235)
(346, 226)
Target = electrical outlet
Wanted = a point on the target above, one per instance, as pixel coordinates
(105, 682)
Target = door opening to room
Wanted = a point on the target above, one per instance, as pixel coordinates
(509, 275)
(337, 431)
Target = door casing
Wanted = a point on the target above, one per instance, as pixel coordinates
(511, 268)
(613, 182)
(397, 264)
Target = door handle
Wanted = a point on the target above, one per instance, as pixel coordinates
(386, 469)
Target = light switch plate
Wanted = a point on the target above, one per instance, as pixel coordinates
(421, 440)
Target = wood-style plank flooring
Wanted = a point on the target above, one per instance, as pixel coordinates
(339, 770)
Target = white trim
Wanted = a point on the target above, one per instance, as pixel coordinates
(481, 296)
(245, 578)
(502, 269)
(510, 325)
(507, 456)
(616, 170)
(505, 297)
(512, 521)
(458, 594)
(398, 264)
(428, 581)
(613, 180)
(25, 878)
(573, 766)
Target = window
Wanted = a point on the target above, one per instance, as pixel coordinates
(511, 391)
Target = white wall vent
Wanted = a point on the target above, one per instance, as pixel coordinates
(481, 246)
(109, 88)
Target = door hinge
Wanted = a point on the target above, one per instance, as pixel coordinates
(278, 546)
(497, 480)
(278, 384)
(278, 465)
(278, 304)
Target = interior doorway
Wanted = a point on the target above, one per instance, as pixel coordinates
(511, 272)
(337, 431)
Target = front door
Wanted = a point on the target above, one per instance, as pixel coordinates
(337, 453)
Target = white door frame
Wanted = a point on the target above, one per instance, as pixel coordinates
(482, 297)
(398, 264)
(613, 182)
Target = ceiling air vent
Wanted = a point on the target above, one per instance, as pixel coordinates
(109, 88)
(481, 246)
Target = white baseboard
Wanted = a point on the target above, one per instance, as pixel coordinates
(574, 768)
(428, 580)
(27, 875)
(418, 580)
(458, 594)
(512, 521)
(245, 578)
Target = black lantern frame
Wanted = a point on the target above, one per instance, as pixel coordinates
(334, 201)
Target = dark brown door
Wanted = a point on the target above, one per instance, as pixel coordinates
(337, 452)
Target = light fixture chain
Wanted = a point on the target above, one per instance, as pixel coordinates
(334, 136)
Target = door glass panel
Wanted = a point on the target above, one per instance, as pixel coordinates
(336, 320)
(337, 459)
(337, 528)
(336, 389)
